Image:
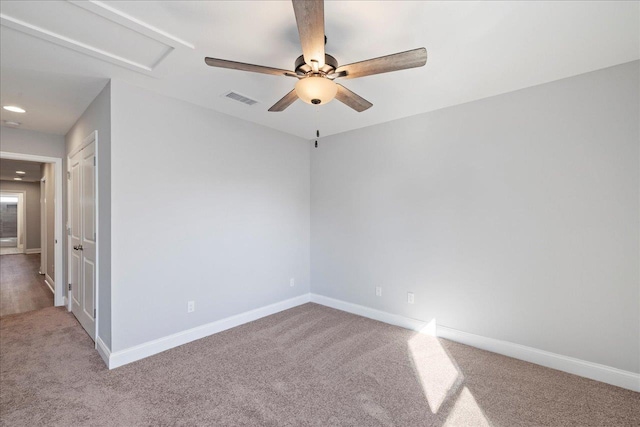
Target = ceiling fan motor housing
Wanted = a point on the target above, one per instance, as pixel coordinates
(302, 68)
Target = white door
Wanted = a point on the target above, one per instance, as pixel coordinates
(82, 238)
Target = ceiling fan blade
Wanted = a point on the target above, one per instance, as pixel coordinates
(233, 65)
(287, 100)
(310, 20)
(384, 64)
(352, 99)
(334, 76)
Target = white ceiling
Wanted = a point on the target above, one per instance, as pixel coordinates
(476, 50)
(8, 170)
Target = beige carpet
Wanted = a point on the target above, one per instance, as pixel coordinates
(308, 366)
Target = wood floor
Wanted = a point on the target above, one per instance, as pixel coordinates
(22, 288)
(10, 251)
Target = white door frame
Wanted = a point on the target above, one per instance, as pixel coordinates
(21, 235)
(43, 227)
(22, 221)
(92, 137)
(59, 298)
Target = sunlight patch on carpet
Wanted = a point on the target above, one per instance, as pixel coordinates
(466, 412)
(437, 373)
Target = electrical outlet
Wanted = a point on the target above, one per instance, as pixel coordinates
(410, 299)
(378, 291)
(292, 282)
(191, 306)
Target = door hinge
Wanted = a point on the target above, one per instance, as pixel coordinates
(94, 161)
(69, 286)
(69, 176)
(69, 231)
(94, 313)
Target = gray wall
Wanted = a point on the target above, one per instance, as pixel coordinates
(97, 116)
(31, 142)
(32, 206)
(514, 217)
(205, 207)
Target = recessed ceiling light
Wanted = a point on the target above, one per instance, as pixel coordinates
(21, 172)
(10, 123)
(17, 179)
(14, 109)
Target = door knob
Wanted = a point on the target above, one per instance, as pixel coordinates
(77, 248)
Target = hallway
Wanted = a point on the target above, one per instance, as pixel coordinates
(22, 288)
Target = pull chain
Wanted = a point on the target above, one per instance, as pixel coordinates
(317, 120)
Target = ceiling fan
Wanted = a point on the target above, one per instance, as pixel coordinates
(316, 70)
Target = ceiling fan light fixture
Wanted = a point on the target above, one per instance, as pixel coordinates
(316, 90)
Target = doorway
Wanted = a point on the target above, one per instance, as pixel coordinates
(55, 256)
(22, 289)
(12, 223)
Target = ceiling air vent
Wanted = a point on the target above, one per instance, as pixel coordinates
(240, 98)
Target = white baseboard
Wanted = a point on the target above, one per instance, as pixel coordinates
(103, 350)
(583, 368)
(428, 328)
(123, 357)
(51, 287)
(32, 251)
(50, 283)
(594, 371)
